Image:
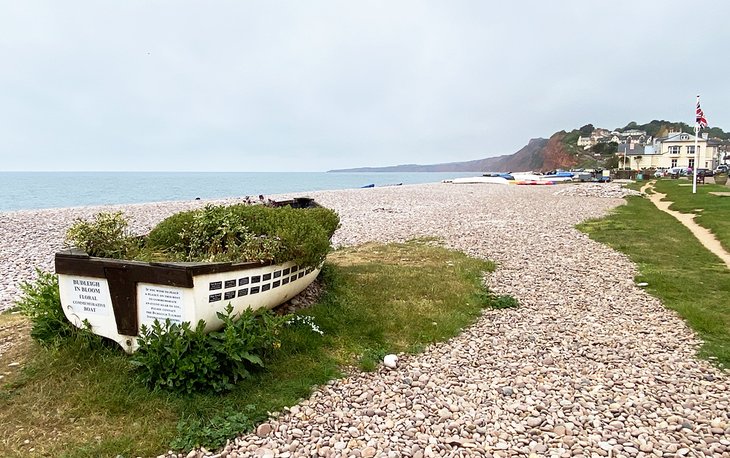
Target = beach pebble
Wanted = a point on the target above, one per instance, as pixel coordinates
(390, 361)
(589, 364)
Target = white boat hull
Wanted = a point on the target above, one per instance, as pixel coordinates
(119, 313)
(480, 180)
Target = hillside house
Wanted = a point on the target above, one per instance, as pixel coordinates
(585, 142)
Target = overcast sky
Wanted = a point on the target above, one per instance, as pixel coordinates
(315, 85)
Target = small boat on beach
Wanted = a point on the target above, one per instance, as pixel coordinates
(535, 182)
(114, 298)
(480, 180)
(489, 178)
(372, 185)
(530, 177)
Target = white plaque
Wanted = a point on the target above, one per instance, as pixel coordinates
(89, 296)
(159, 303)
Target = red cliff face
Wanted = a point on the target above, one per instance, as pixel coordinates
(555, 156)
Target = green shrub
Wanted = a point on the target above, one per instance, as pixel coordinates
(162, 238)
(180, 358)
(212, 234)
(243, 233)
(107, 236)
(41, 303)
(236, 233)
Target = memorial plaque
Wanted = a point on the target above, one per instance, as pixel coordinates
(230, 283)
(216, 285)
(160, 303)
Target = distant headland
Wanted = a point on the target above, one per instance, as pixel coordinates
(587, 147)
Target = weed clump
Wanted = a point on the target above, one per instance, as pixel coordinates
(41, 303)
(106, 236)
(180, 358)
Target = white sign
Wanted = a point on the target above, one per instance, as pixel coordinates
(89, 296)
(159, 303)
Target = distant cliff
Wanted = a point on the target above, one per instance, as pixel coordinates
(538, 154)
(560, 151)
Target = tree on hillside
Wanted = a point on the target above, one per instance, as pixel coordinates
(605, 149)
(611, 162)
(660, 128)
(587, 129)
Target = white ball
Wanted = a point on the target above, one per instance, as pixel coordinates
(390, 361)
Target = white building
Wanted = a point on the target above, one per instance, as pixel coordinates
(677, 149)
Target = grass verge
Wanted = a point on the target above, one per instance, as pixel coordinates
(380, 299)
(713, 212)
(684, 275)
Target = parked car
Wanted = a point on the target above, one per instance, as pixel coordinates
(706, 172)
(722, 168)
(681, 171)
(661, 172)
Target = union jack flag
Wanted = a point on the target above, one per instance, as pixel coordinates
(700, 119)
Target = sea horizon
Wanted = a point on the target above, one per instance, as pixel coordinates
(48, 189)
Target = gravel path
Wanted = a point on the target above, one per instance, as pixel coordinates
(588, 365)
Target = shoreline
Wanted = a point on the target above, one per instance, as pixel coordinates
(50, 190)
(30, 238)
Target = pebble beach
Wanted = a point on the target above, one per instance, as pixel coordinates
(588, 365)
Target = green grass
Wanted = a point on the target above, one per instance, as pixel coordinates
(679, 270)
(715, 213)
(380, 299)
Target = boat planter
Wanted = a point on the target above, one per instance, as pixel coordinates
(720, 178)
(116, 297)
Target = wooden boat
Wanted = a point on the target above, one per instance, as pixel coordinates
(116, 297)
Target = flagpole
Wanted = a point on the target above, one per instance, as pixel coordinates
(697, 161)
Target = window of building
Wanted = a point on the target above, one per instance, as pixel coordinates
(674, 149)
(692, 163)
(691, 150)
(674, 163)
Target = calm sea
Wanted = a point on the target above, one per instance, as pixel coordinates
(33, 190)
